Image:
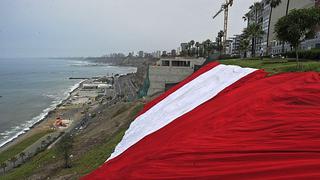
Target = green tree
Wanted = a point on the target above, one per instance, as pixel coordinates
(253, 31)
(273, 4)
(297, 26)
(65, 147)
(4, 166)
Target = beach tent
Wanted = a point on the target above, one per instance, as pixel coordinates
(224, 122)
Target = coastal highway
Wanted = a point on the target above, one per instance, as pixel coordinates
(32, 150)
(117, 86)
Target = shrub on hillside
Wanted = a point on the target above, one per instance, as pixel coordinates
(227, 56)
(313, 54)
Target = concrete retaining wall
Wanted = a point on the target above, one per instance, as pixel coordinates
(160, 75)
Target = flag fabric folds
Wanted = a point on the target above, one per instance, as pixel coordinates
(224, 122)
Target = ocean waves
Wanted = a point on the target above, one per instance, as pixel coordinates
(16, 131)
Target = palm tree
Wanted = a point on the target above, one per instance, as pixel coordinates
(201, 50)
(244, 46)
(22, 155)
(206, 46)
(197, 46)
(13, 161)
(191, 47)
(247, 17)
(257, 6)
(273, 4)
(253, 31)
(192, 43)
(4, 166)
(188, 48)
(219, 41)
(287, 11)
(288, 4)
(220, 35)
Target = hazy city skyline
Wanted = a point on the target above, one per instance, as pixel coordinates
(53, 28)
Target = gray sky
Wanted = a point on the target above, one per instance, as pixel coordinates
(51, 28)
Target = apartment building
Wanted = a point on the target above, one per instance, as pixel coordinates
(235, 45)
(277, 47)
(262, 16)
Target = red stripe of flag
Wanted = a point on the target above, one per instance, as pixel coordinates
(257, 128)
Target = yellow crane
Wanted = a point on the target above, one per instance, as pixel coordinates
(225, 8)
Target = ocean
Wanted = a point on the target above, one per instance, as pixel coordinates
(31, 87)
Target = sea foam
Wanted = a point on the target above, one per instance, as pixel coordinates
(17, 131)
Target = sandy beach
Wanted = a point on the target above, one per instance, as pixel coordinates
(71, 109)
(46, 124)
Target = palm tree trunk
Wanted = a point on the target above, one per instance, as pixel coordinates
(252, 48)
(269, 24)
(197, 51)
(287, 11)
(297, 57)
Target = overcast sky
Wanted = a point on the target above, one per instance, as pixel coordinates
(51, 28)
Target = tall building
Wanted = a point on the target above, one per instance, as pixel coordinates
(140, 54)
(265, 26)
(173, 53)
(262, 17)
(229, 46)
(277, 13)
(235, 45)
(164, 54)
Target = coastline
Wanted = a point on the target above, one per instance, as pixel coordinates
(48, 116)
(39, 119)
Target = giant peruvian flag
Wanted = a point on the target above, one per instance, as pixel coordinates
(224, 122)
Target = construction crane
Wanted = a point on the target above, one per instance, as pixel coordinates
(225, 8)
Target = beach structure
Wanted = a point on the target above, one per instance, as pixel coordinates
(96, 86)
(61, 123)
